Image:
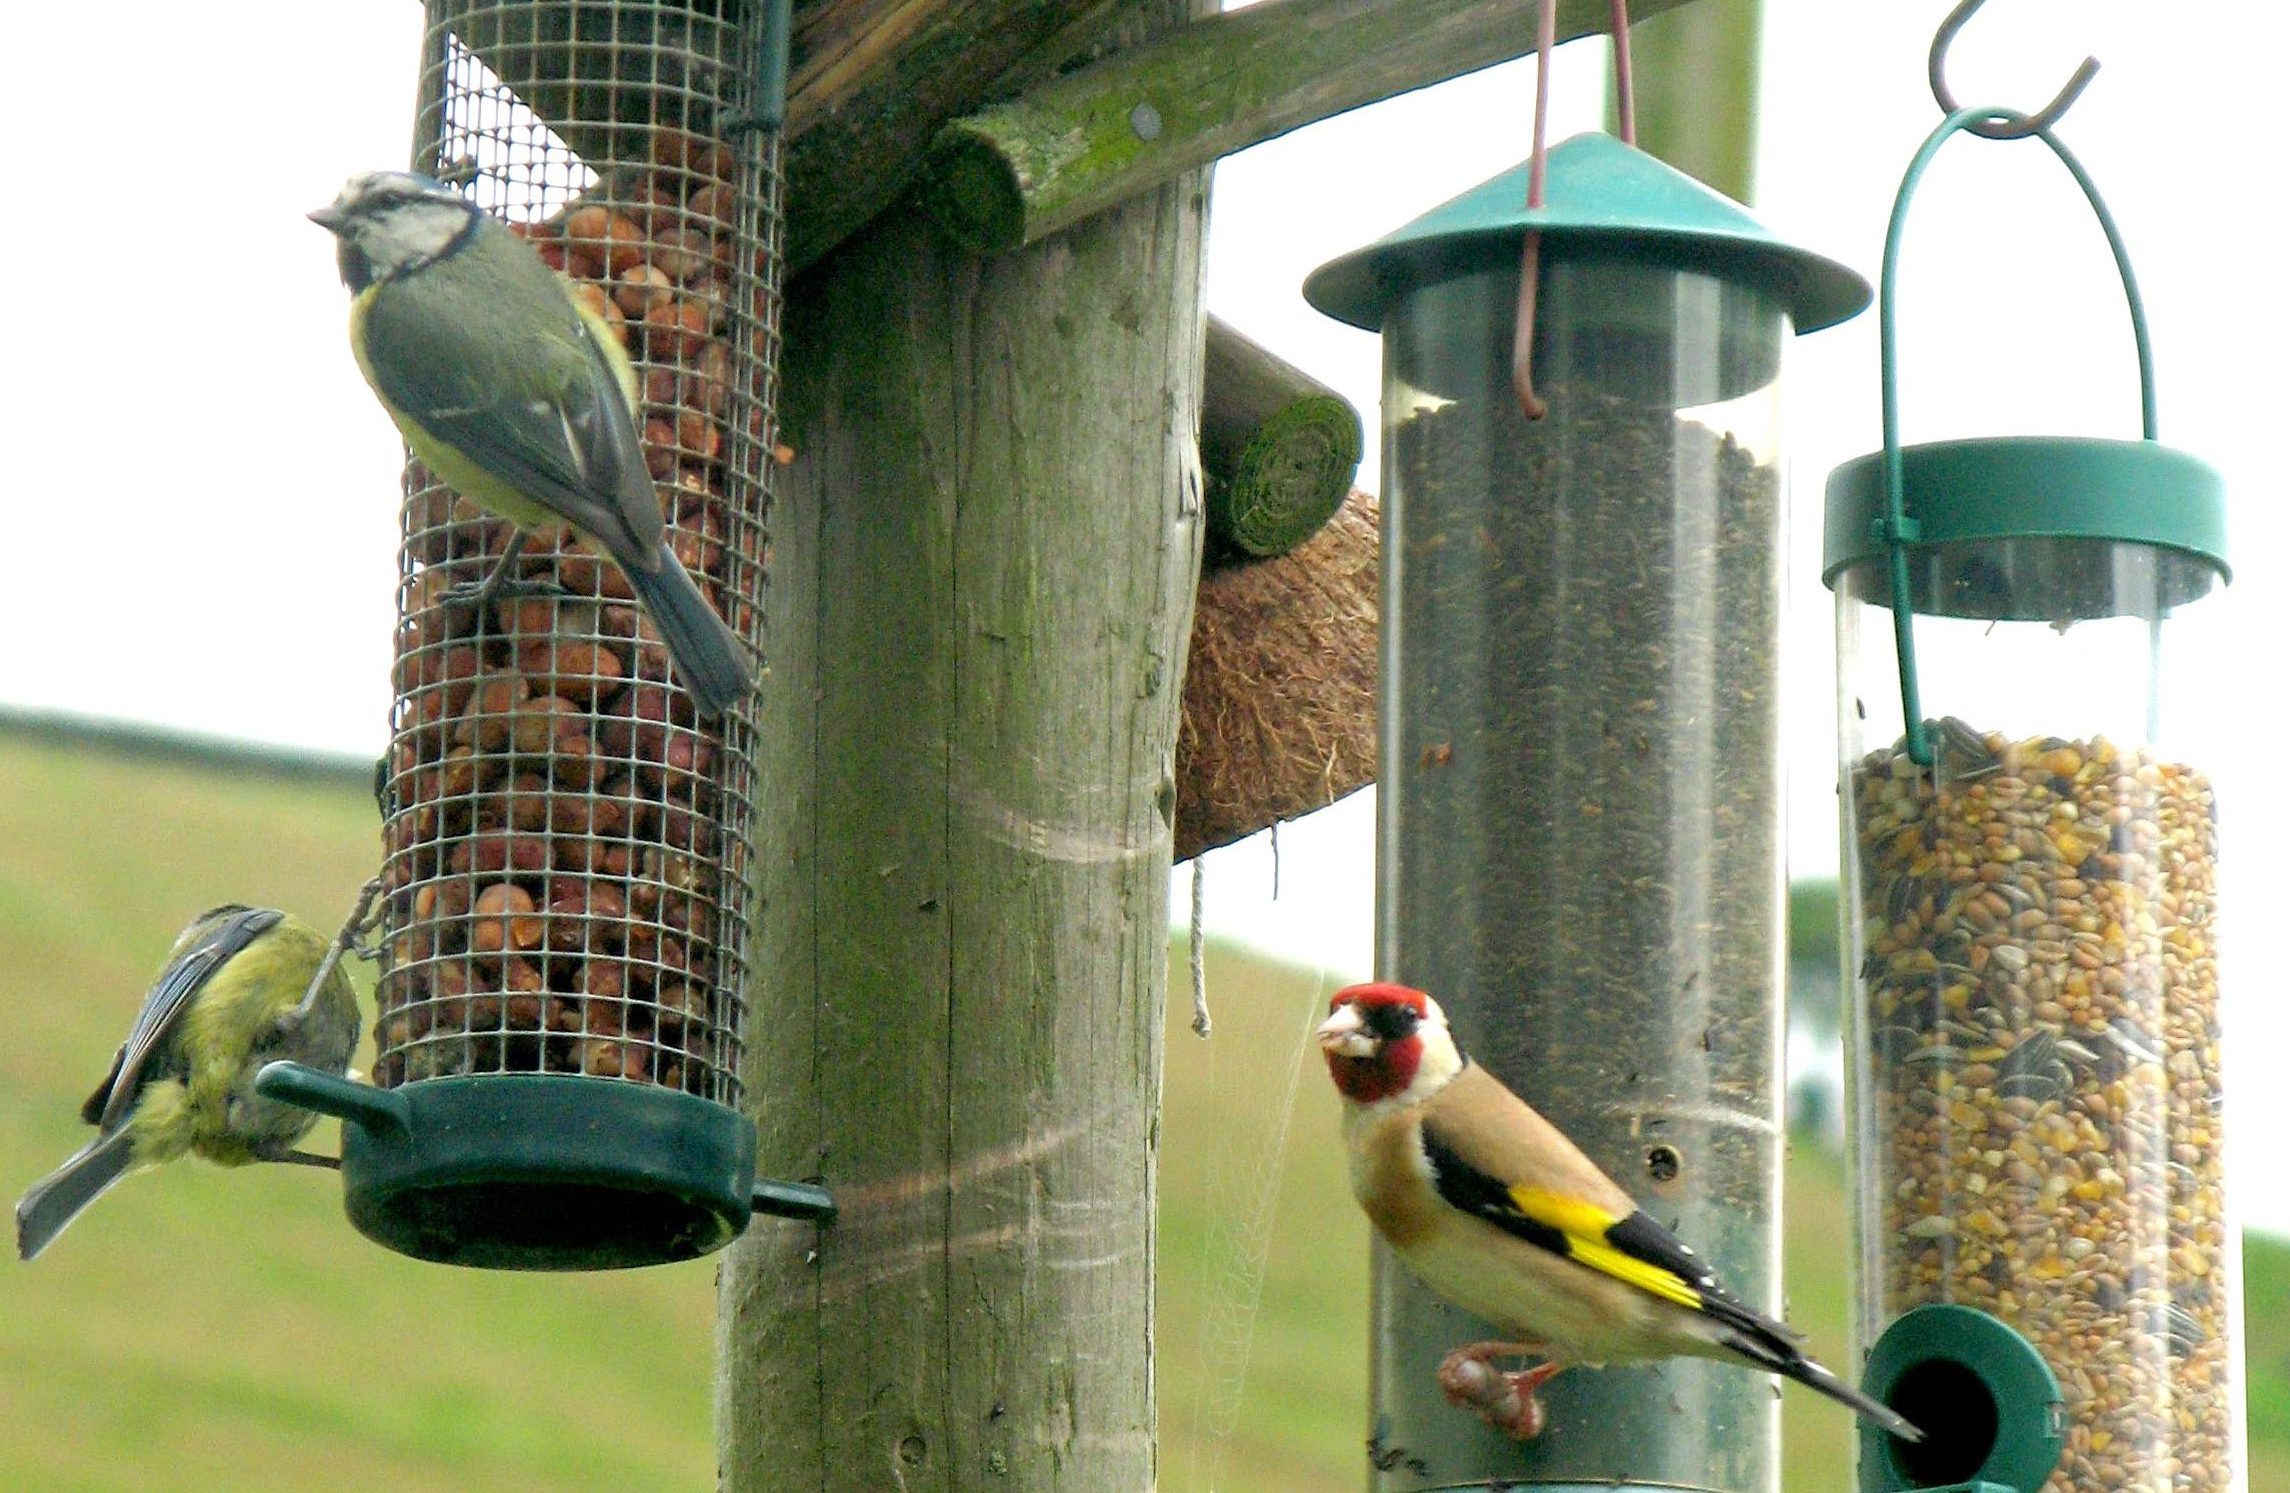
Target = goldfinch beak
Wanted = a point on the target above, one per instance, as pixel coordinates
(331, 217)
(1344, 1035)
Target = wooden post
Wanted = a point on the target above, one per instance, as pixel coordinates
(1014, 171)
(1697, 91)
(983, 571)
(1279, 448)
(874, 79)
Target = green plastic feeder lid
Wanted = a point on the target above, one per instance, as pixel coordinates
(1597, 193)
(2035, 487)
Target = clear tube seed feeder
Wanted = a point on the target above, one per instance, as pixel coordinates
(566, 868)
(1579, 849)
(2029, 867)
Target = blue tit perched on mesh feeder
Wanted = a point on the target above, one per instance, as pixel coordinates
(521, 399)
(240, 989)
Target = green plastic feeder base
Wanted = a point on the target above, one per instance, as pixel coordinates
(1989, 1406)
(536, 1171)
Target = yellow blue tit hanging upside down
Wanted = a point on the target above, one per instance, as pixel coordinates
(235, 993)
(1489, 1205)
(518, 397)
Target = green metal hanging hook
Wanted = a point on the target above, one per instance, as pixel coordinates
(1936, 68)
(1897, 530)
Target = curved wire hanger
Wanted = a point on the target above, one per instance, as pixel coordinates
(1936, 69)
(1530, 255)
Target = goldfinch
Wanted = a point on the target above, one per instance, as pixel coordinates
(235, 993)
(517, 395)
(1496, 1211)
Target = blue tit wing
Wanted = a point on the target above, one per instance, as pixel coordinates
(547, 416)
(210, 943)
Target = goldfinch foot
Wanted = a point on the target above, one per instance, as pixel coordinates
(1504, 1400)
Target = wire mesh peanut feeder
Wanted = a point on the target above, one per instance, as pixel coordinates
(1579, 840)
(2045, 1261)
(557, 1076)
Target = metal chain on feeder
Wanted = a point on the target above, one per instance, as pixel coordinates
(569, 882)
(1530, 256)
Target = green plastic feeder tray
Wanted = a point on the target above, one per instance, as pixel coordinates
(1990, 1409)
(542, 1171)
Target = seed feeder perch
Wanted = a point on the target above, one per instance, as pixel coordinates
(566, 931)
(2044, 1258)
(1579, 849)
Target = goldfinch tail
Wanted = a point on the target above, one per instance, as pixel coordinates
(706, 653)
(58, 1198)
(1819, 1379)
(1768, 1345)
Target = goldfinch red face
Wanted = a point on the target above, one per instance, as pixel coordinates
(1384, 1041)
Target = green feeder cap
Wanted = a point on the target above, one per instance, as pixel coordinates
(1989, 1406)
(1957, 493)
(1597, 192)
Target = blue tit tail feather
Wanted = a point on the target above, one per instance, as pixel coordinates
(705, 652)
(59, 1197)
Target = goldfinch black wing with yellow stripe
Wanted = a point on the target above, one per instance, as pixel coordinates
(1497, 1160)
(1632, 1247)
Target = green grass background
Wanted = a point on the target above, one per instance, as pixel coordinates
(227, 1330)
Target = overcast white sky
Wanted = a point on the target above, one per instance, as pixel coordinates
(203, 477)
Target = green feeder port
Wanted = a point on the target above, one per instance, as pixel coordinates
(1989, 1406)
(2030, 905)
(1579, 844)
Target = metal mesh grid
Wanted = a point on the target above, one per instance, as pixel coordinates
(565, 845)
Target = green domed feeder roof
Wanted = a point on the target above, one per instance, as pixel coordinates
(1598, 192)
